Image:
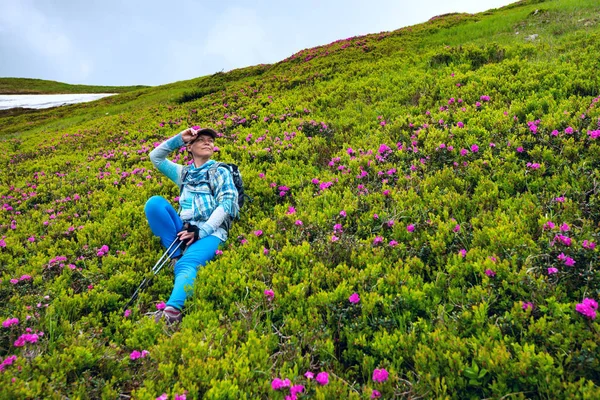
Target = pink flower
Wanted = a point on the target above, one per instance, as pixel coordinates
(10, 322)
(298, 222)
(26, 338)
(334, 238)
(375, 216)
(564, 227)
(354, 298)
(135, 355)
(549, 225)
(277, 383)
(375, 394)
(163, 396)
(588, 245)
(161, 305)
(527, 305)
(269, 294)
(265, 251)
(380, 375)
(322, 378)
(456, 228)
(569, 130)
(145, 353)
(294, 390)
(552, 270)
(219, 252)
(258, 232)
(393, 243)
(462, 253)
(343, 213)
(291, 210)
(14, 281)
(490, 273)
(410, 228)
(180, 397)
(377, 240)
(127, 313)
(587, 308)
(474, 148)
(569, 262)
(309, 375)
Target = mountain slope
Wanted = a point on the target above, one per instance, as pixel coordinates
(445, 173)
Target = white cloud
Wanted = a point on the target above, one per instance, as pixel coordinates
(239, 39)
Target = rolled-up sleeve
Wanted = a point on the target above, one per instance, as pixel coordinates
(158, 156)
(226, 193)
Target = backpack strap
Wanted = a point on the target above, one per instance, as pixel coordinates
(184, 173)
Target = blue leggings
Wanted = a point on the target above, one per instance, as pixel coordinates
(165, 223)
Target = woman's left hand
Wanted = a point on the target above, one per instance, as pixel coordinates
(187, 237)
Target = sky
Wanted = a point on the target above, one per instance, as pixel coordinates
(154, 42)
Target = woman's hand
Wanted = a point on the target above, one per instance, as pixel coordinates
(188, 135)
(187, 237)
(189, 234)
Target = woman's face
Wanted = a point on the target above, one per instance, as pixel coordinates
(203, 146)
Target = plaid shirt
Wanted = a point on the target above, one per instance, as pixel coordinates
(196, 200)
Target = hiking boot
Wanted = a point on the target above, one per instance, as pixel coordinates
(170, 314)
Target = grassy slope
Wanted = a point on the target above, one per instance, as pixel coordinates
(435, 320)
(40, 86)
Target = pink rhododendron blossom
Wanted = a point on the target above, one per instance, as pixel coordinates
(375, 394)
(163, 396)
(277, 383)
(26, 338)
(269, 294)
(490, 273)
(456, 228)
(569, 262)
(135, 355)
(380, 375)
(309, 375)
(10, 322)
(294, 390)
(354, 298)
(219, 252)
(258, 232)
(343, 213)
(474, 148)
(527, 305)
(377, 240)
(161, 305)
(552, 270)
(298, 222)
(563, 239)
(564, 227)
(8, 361)
(334, 238)
(587, 307)
(181, 396)
(560, 199)
(462, 253)
(588, 245)
(14, 281)
(127, 313)
(410, 228)
(569, 130)
(393, 243)
(549, 225)
(322, 378)
(291, 210)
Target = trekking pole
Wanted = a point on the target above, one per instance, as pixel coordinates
(162, 261)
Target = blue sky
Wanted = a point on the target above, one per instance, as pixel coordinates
(152, 42)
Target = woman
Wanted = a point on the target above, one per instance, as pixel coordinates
(205, 210)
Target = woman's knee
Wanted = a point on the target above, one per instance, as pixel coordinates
(153, 204)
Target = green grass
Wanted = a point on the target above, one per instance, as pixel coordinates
(40, 86)
(442, 307)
